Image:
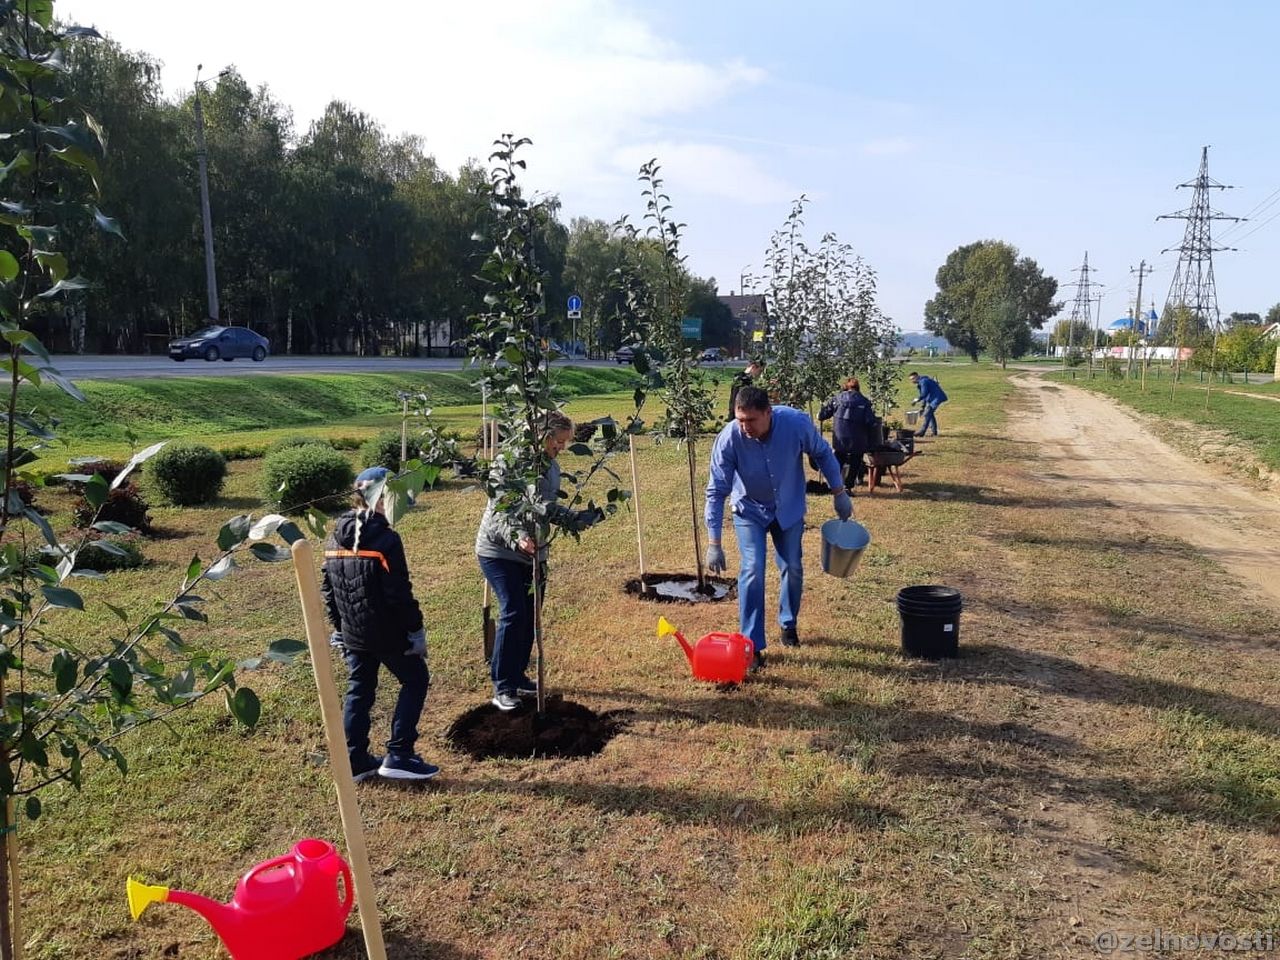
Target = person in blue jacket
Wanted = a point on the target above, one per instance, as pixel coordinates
(852, 419)
(757, 462)
(931, 397)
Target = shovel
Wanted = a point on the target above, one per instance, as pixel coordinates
(488, 627)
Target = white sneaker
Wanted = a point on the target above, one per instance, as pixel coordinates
(505, 702)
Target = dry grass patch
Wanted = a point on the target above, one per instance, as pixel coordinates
(1102, 756)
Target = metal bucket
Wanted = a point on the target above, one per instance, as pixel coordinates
(913, 417)
(843, 544)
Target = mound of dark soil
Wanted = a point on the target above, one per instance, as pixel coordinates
(566, 729)
(681, 588)
(816, 487)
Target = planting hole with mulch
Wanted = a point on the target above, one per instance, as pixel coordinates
(681, 588)
(566, 729)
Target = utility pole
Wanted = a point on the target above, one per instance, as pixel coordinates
(202, 156)
(1193, 286)
(1081, 309)
(1142, 271)
(1097, 326)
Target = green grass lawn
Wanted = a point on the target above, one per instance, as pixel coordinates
(1104, 753)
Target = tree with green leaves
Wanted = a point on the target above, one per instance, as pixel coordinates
(656, 285)
(1074, 337)
(593, 257)
(976, 277)
(791, 294)
(509, 345)
(1005, 331)
(64, 702)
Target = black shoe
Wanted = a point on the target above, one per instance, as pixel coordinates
(789, 637)
(758, 663)
(364, 768)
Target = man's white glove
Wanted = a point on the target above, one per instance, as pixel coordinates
(715, 558)
(418, 644)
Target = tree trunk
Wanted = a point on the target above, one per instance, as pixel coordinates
(288, 331)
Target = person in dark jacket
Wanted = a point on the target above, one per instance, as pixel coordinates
(377, 624)
(852, 420)
(745, 378)
(931, 397)
(506, 555)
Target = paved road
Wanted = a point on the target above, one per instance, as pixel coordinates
(135, 367)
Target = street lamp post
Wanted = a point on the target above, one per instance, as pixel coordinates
(202, 157)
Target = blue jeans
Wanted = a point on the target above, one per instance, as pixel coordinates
(929, 420)
(512, 583)
(752, 560)
(362, 687)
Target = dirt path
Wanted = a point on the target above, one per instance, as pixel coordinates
(1091, 443)
(1256, 396)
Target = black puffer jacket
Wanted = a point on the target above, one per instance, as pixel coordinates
(366, 587)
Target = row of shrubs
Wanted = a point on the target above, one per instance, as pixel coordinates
(297, 471)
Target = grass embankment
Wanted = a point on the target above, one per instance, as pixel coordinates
(1252, 422)
(1103, 757)
(225, 412)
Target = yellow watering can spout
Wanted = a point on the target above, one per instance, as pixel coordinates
(665, 629)
(142, 895)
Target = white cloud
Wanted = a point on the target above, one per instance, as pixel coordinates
(581, 78)
(709, 169)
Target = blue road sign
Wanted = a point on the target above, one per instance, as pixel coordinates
(575, 303)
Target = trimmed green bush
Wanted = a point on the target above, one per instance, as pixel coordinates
(383, 450)
(188, 473)
(243, 451)
(297, 477)
(296, 440)
(124, 505)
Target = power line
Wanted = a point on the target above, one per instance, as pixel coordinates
(1193, 284)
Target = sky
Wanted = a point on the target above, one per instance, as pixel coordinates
(912, 127)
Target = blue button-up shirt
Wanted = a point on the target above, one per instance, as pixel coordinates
(764, 479)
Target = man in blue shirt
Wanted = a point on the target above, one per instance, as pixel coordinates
(757, 462)
(931, 397)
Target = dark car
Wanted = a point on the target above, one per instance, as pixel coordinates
(624, 354)
(712, 355)
(220, 343)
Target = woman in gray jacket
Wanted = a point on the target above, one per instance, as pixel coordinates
(506, 556)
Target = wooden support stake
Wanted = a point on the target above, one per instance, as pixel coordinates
(339, 763)
(537, 633)
(635, 499)
(693, 510)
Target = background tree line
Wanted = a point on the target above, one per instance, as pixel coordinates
(340, 239)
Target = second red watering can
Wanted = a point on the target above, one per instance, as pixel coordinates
(716, 657)
(283, 909)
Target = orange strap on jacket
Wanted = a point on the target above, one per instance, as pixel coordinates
(375, 554)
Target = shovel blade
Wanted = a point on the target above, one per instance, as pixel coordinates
(490, 629)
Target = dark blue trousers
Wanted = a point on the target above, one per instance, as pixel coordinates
(362, 688)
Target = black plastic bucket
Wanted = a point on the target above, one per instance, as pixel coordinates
(930, 621)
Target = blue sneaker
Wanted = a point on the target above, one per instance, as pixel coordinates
(412, 767)
(362, 768)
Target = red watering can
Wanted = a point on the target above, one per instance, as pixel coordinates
(717, 657)
(284, 909)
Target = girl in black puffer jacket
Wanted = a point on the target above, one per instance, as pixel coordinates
(377, 623)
